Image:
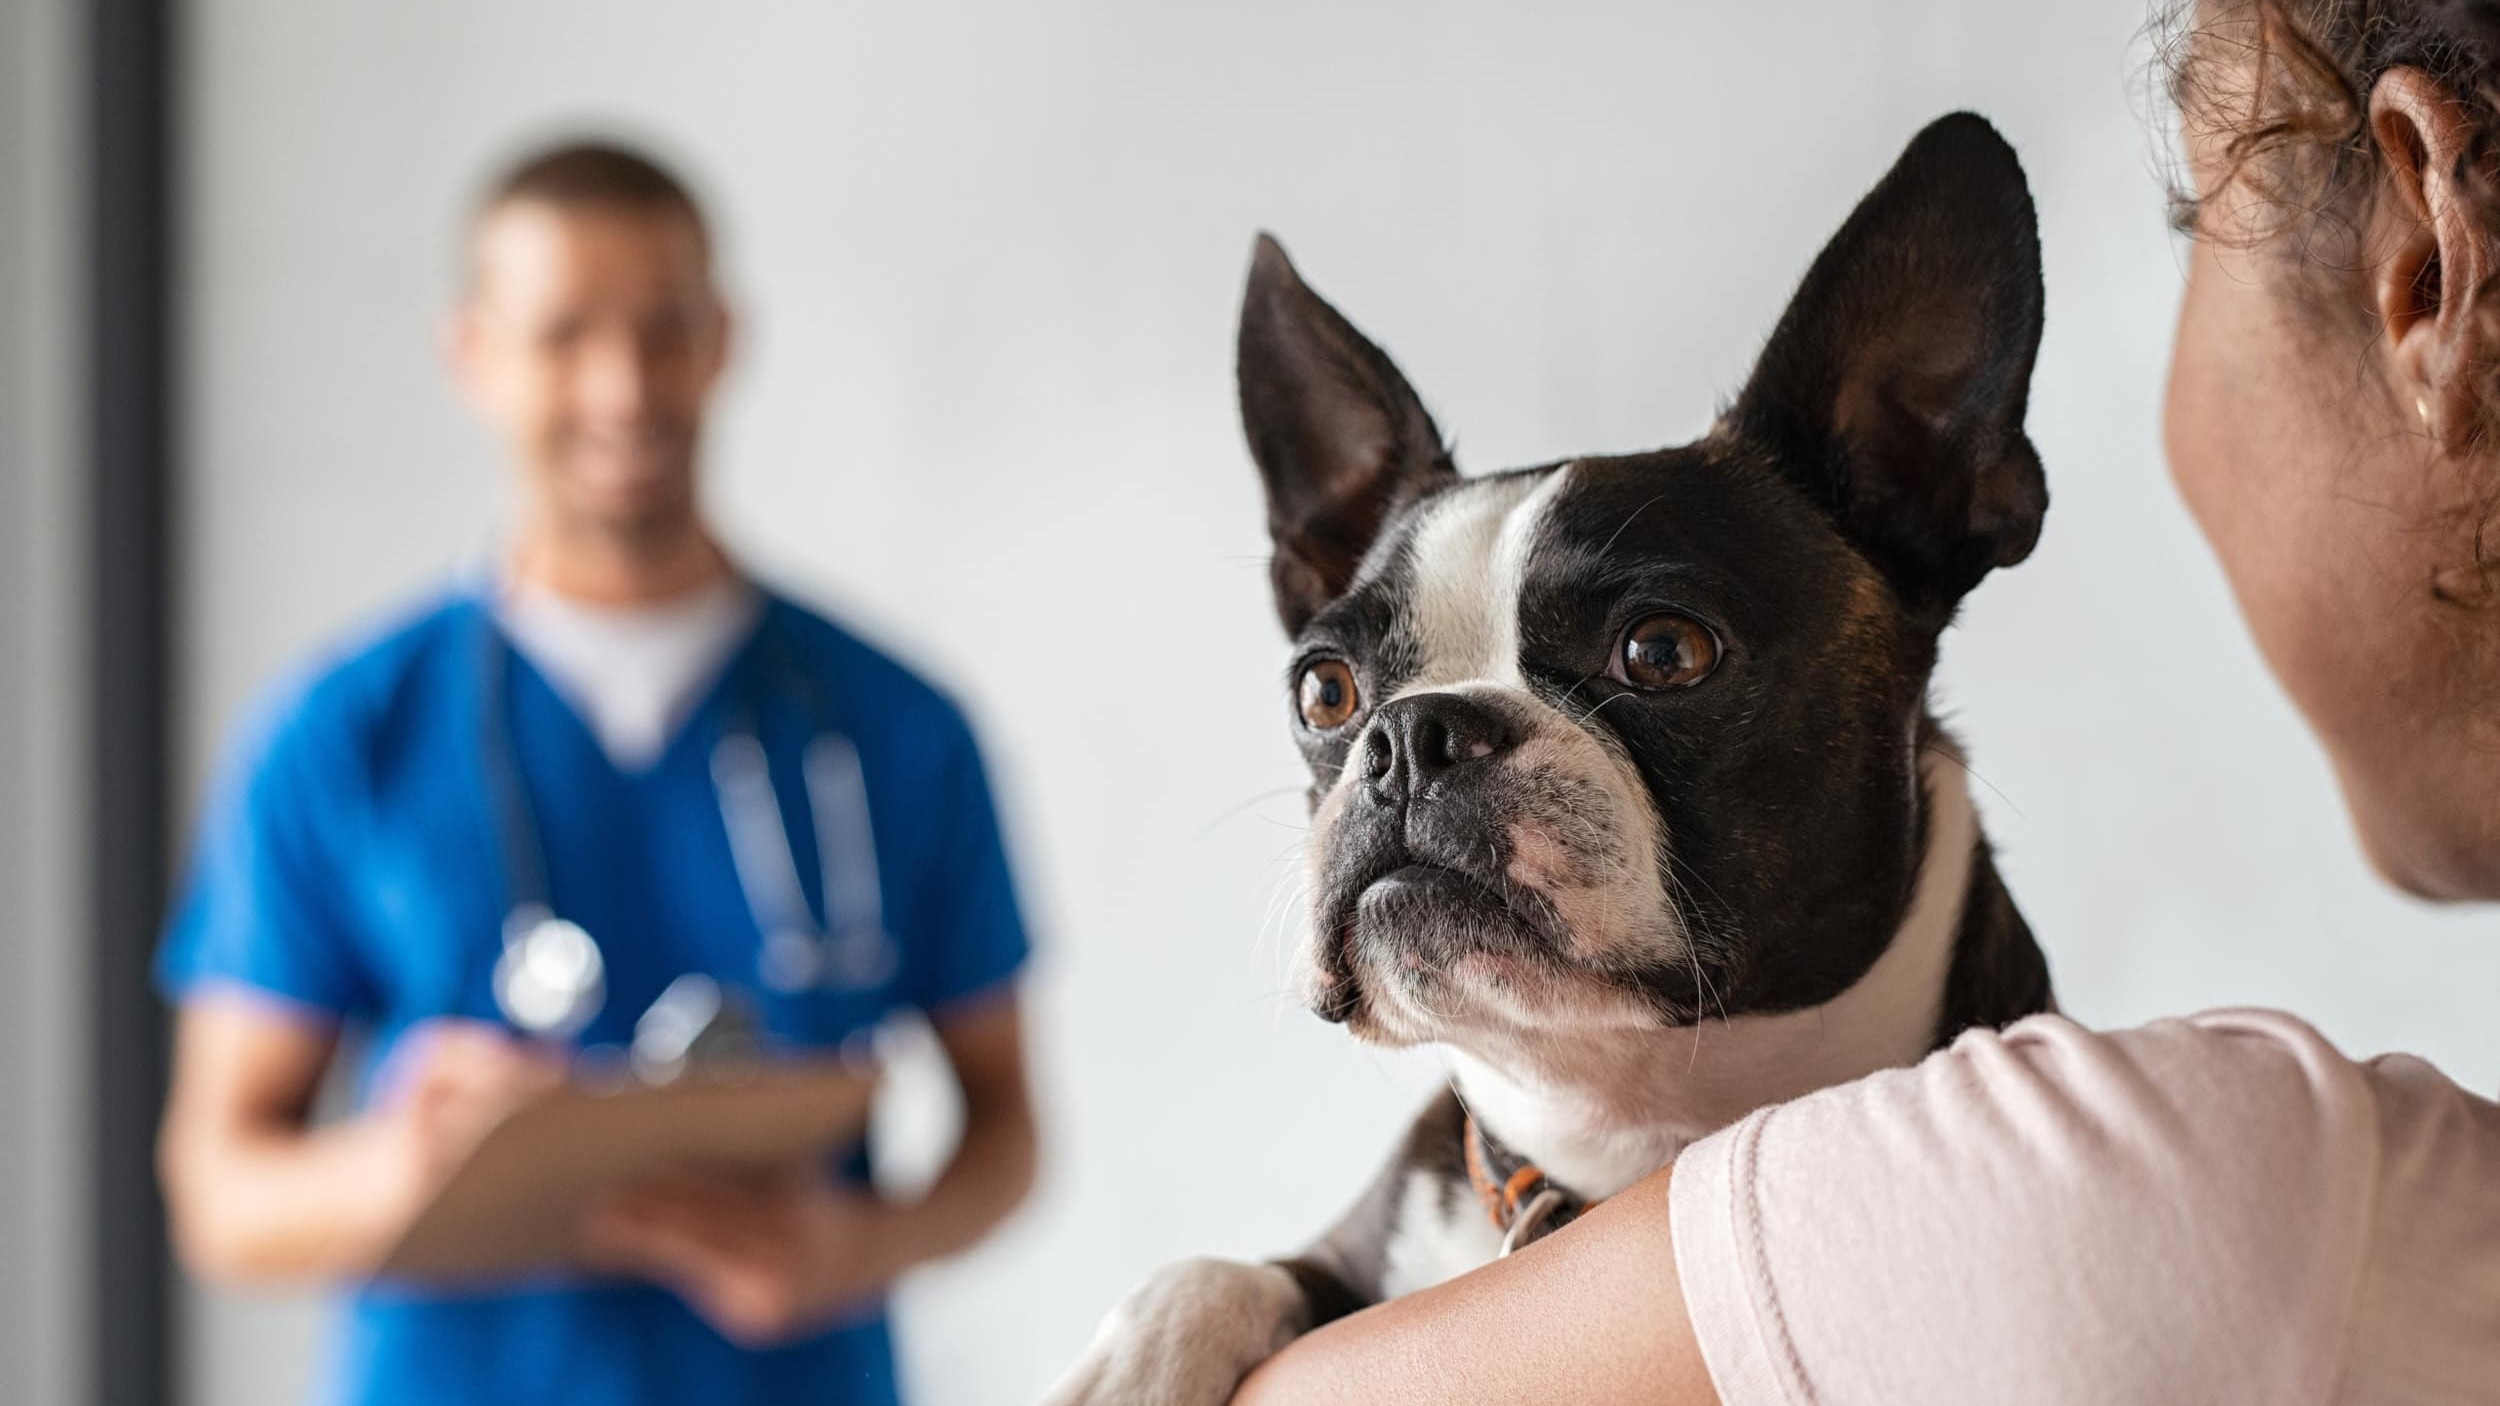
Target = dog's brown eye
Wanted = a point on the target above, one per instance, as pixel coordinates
(1666, 651)
(1327, 695)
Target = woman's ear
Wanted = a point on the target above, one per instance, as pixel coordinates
(2425, 291)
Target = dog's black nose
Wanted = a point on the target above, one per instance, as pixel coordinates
(1413, 740)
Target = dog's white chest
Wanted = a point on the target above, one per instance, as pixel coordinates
(1440, 1234)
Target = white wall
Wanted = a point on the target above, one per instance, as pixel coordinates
(43, 1126)
(989, 257)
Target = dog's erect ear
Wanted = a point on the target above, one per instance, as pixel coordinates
(1895, 385)
(1339, 436)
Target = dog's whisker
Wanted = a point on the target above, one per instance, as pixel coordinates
(1935, 749)
(1600, 703)
(1211, 826)
(1627, 523)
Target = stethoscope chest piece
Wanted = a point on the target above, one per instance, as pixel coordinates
(550, 980)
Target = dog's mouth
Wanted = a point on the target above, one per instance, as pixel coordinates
(1416, 882)
(1419, 926)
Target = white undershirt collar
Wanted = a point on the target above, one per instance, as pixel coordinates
(633, 673)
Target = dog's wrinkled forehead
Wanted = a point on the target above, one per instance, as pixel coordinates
(1447, 576)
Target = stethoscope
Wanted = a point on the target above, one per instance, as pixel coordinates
(550, 979)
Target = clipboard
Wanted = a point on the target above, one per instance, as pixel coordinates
(513, 1207)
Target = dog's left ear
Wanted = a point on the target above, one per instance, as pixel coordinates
(1340, 438)
(1894, 388)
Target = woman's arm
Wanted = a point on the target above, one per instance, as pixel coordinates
(1592, 1314)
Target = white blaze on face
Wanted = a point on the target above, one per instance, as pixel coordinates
(1468, 558)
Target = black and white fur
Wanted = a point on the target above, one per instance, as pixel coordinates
(1633, 912)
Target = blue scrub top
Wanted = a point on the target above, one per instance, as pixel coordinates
(348, 865)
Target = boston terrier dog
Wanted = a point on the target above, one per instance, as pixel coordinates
(1625, 788)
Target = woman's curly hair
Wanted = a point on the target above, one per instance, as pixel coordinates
(2286, 84)
(2284, 87)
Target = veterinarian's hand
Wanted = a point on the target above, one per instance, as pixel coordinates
(443, 1087)
(762, 1263)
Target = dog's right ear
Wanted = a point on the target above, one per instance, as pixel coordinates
(1339, 436)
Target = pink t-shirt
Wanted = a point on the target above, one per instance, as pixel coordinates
(2218, 1209)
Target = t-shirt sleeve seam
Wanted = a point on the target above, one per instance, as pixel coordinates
(1771, 1316)
(2313, 1052)
(1734, 1311)
(2358, 1274)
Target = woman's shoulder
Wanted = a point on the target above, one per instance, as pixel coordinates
(2232, 1116)
(2226, 1199)
(2245, 1112)
(2235, 1054)
(2233, 1067)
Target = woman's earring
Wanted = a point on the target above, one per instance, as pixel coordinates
(2422, 408)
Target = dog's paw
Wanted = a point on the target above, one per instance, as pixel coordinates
(1187, 1337)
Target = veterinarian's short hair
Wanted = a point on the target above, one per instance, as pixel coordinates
(591, 175)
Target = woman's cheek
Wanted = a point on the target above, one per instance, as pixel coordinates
(2251, 446)
(2211, 439)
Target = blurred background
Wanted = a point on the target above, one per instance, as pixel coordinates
(987, 257)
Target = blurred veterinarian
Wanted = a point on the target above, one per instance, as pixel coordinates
(501, 825)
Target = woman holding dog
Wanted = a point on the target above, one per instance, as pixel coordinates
(2222, 1208)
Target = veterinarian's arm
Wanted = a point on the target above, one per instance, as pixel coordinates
(1592, 1315)
(256, 1193)
(993, 1168)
